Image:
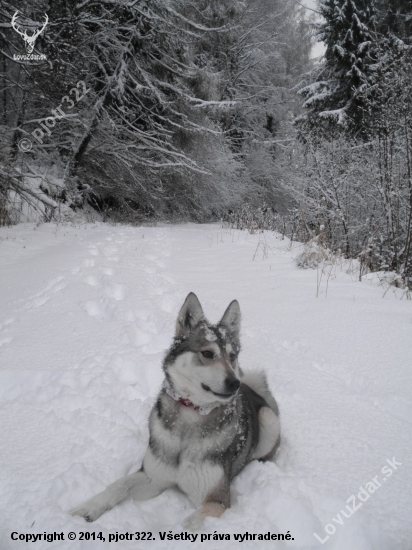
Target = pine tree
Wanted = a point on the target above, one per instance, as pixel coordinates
(336, 94)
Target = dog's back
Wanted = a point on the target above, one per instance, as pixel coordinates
(268, 412)
(256, 380)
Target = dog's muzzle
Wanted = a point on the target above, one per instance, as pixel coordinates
(232, 385)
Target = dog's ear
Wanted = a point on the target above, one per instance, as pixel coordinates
(231, 319)
(189, 316)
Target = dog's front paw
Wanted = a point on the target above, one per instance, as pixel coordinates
(84, 514)
(210, 509)
(194, 522)
(90, 510)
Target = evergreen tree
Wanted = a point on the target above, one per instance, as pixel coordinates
(336, 94)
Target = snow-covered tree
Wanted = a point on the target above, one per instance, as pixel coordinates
(185, 106)
(335, 95)
(255, 64)
(122, 143)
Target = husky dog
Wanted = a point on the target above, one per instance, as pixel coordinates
(209, 421)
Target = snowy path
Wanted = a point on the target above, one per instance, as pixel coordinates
(85, 316)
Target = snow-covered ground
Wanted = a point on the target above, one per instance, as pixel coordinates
(86, 313)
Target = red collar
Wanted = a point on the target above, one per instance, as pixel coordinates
(186, 402)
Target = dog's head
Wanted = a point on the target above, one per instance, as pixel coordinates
(202, 363)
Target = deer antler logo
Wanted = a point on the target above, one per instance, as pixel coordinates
(29, 40)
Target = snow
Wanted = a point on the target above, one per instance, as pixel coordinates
(86, 313)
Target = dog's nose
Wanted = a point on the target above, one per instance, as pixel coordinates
(232, 384)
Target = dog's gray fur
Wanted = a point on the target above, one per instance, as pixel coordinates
(209, 421)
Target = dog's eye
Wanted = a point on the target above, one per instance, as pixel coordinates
(232, 356)
(208, 354)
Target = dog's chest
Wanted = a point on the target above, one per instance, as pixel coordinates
(179, 434)
(193, 451)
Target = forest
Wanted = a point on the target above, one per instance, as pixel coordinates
(140, 111)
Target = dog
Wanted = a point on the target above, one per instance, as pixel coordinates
(209, 421)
